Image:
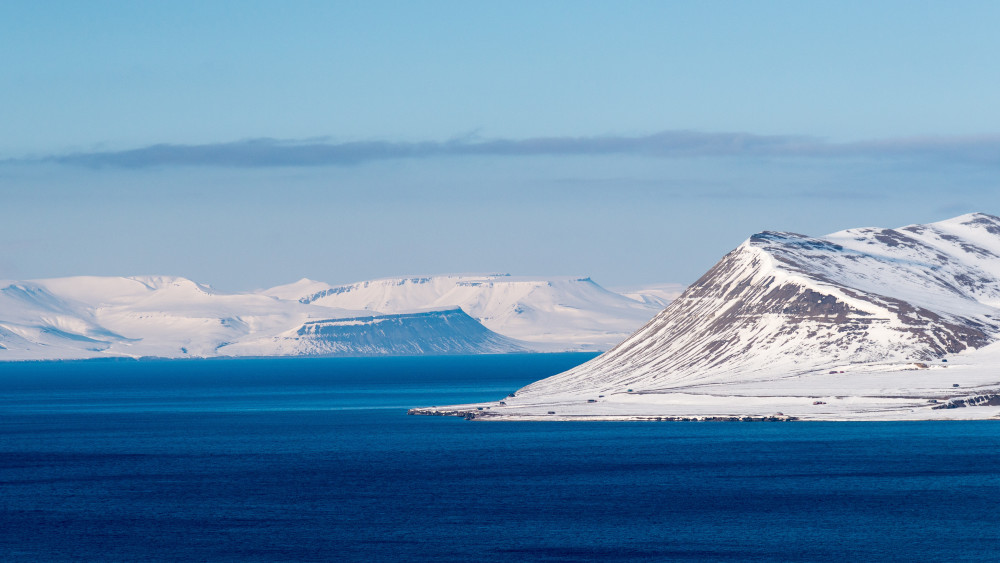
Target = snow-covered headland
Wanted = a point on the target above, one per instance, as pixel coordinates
(172, 317)
(863, 324)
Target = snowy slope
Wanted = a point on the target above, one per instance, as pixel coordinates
(36, 323)
(572, 313)
(138, 316)
(861, 313)
(297, 290)
(657, 295)
(161, 316)
(83, 317)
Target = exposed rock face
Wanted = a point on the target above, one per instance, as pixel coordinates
(783, 304)
(570, 313)
(432, 332)
(992, 400)
(435, 332)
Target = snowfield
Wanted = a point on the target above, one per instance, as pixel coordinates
(557, 313)
(172, 317)
(863, 324)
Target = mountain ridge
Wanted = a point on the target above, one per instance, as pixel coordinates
(545, 311)
(786, 311)
(169, 316)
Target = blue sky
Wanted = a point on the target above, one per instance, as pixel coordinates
(246, 144)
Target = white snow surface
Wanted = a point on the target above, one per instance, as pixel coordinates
(658, 295)
(296, 290)
(861, 324)
(568, 313)
(163, 316)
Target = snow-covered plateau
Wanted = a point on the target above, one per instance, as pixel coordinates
(862, 324)
(172, 317)
(550, 313)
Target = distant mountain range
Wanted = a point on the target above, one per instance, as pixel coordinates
(551, 312)
(863, 323)
(171, 317)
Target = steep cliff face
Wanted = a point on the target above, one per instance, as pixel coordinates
(783, 304)
(574, 313)
(431, 332)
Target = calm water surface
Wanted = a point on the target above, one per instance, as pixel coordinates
(316, 460)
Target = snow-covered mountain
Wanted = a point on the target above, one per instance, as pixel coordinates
(83, 317)
(885, 320)
(565, 313)
(431, 332)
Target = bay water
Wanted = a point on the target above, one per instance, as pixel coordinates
(316, 460)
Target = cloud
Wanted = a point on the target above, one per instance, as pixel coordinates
(666, 144)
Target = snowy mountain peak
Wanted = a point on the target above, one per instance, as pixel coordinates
(784, 304)
(867, 323)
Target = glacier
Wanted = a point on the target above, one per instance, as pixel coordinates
(862, 324)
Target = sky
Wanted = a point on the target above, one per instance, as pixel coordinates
(250, 144)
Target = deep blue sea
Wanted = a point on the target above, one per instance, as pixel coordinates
(316, 460)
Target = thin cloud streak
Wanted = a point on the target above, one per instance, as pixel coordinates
(266, 153)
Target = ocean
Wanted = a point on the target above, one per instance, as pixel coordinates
(316, 460)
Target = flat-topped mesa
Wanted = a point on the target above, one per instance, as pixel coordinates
(784, 304)
(555, 312)
(449, 331)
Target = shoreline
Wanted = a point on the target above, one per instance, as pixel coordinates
(476, 415)
(983, 406)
